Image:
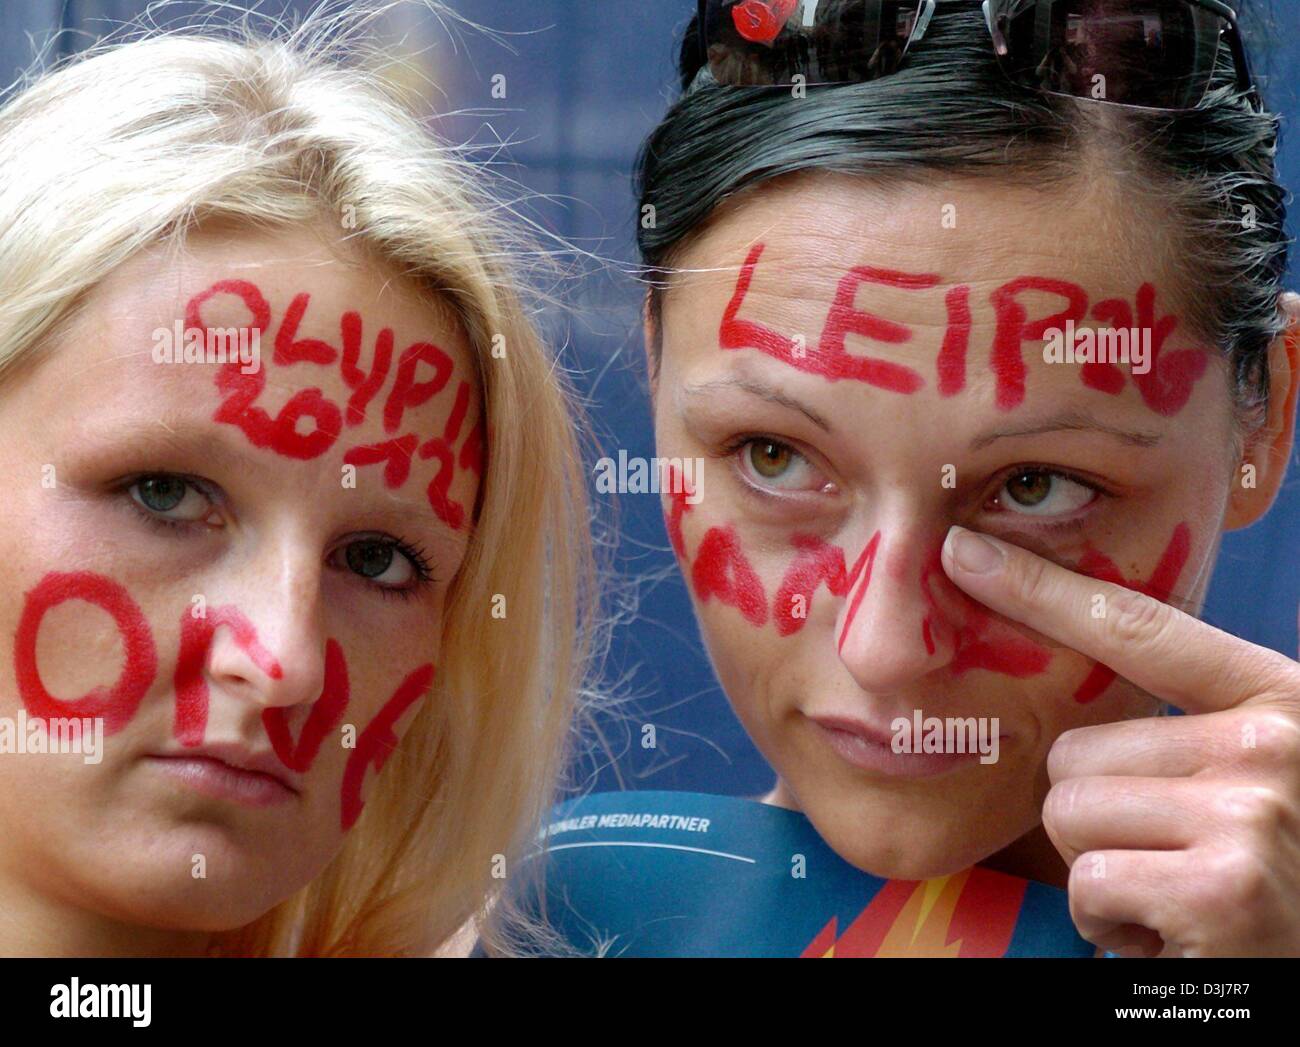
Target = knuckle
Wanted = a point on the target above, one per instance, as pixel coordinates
(1135, 618)
(1235, 881)
(1274, 736)
(1254, 809)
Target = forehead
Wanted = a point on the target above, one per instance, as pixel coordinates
(962, 266)
(106, 359)
(102, 386)
(978, 232)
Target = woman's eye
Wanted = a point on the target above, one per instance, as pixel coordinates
(770, 463)
(1037, 492)
(171, 498)
(383, 562)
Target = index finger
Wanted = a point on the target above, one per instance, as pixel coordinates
(1161, 649)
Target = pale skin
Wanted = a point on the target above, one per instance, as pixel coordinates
(1199, 832)
(97, 859)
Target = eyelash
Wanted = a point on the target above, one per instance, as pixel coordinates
(1076, 523)
(417, 555)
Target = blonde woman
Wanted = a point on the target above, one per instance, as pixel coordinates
(293, 520)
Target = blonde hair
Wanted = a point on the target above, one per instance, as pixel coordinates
(140, 142)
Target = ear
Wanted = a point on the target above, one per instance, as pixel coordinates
(649, 332)
(1269, 450)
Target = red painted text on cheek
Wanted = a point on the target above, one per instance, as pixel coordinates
(326, 714)
(1159, 586)
(863, 566)
(978, 642)
(378, 741)
(191, 680)
(722, 570)
(117, 704)
(679, 506)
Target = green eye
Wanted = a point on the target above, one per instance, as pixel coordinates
(162, 494)
(370, 559)
(171, 498)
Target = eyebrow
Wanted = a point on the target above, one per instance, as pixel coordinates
(764, 392)
(220, 451)
(1071, 421)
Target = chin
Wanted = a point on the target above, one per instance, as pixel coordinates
(916, 847)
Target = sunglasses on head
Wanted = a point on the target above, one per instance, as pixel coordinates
(1149, 54)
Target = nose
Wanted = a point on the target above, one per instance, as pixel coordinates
(895, 625)
(259, 640)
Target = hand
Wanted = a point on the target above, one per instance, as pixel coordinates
(1182, 833)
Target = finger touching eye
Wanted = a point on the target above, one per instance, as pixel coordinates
(1040, 492)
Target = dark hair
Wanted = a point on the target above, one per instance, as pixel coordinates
(950, 110)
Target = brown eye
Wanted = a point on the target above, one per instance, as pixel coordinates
(1041, 492)
(1029, 489)
(770, 459)
(775, 465)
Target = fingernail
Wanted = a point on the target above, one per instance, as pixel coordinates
(973, 554)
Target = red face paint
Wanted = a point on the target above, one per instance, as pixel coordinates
(394, 454)
(1168, 385)
(831, 359)
(862, 567)
(978, 642)
(378, 741)
(291, 350)
(956, 342)
(241, 390)
(844, 319)
(191, 680)
(1014, 329)
(720, 569)
(280, 434)
(407, 392)
(116, 704)
(678, 507)
(326, 714)
(1165, 388)
(1159, 587)
(364, 386)
(442, 448)
(816, 563)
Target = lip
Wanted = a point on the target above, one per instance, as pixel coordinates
(870, 749)
(230, 772)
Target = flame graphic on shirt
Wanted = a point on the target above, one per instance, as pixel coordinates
(971, 913)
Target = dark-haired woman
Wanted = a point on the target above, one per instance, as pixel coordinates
(982, 364)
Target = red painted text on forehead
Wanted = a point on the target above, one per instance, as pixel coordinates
(1165, 388)
(423, 371)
